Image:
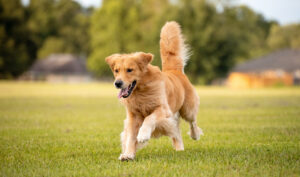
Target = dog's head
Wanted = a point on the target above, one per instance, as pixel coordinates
(128, 69)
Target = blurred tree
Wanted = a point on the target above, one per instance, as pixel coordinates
(59, 27)
(246, 33)
(218, 39)
(284, 37)
(219, 34)
(252, 29)
(17, 48)
(41, 20)
(154, 15)
(197, 19)
(122, 26)
(114, 28)
(54, 45)
(44, 27)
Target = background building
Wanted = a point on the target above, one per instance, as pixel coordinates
(59, 68)
(279, 68)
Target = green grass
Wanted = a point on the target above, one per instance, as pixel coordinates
(73, 130)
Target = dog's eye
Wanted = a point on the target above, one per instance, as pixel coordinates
(116, 70)
(129, 70)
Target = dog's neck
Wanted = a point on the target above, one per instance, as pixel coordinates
(149, 78)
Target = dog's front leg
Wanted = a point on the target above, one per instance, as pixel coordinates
(124, 136)
(128, 137)
(149, 125)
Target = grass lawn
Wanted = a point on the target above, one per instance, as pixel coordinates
(73, 130)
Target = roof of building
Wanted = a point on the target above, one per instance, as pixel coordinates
(287, 60)
(60, 64)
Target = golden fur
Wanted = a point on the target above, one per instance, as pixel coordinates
(158, 98)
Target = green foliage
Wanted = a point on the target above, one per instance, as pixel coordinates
(74, 130)
(123, 27)
(284, 37)
(41, 21)
(218, 40)
(17, 48)
(59, 27)
(107, 34)
(42, 28)
(53, 45)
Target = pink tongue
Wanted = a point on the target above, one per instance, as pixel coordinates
(123, 92)
(120, 94)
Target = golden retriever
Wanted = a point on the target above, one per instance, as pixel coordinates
(155, 99)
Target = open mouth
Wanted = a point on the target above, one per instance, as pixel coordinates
(125, 92)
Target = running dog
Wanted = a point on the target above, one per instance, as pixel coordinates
(155, 99)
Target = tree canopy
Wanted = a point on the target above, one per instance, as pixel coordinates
(36, 31)
(17, 49)
(218, 40)
(218, 37)
(284, 37)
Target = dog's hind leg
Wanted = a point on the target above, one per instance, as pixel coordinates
(195, 132)
(189, 113)
(169, 126)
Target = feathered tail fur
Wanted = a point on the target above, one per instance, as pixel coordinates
(174, 53)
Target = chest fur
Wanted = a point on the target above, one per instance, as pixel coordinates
(143, 102)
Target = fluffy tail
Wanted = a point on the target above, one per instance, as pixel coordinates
(174, 53)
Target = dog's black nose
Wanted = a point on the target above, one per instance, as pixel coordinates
(118, 83)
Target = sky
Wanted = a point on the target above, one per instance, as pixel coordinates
(283, 11)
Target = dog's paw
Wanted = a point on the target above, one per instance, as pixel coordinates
(196, 133)
(143, 137)
(126, 157)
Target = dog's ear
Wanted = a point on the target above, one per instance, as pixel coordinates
(144, 59)
(110, 60)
